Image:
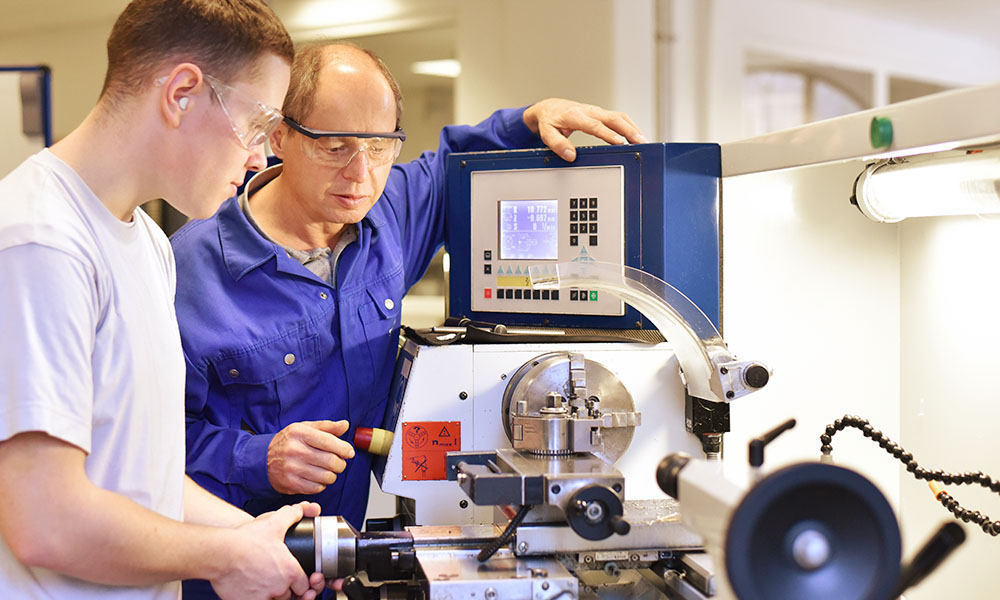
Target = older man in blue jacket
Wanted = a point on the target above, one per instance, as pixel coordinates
(289, 297)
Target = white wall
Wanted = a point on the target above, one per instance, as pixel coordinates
(78, 60)
(811, 288)
(950, 403)
(515, 52)
(14, 145)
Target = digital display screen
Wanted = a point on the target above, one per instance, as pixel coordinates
(529, 229)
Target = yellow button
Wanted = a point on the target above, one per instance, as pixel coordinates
(389, 303)
(289, 358)
(322, 295)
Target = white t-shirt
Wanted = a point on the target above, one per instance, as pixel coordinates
(89, 351)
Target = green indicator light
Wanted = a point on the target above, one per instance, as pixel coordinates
(881, 132)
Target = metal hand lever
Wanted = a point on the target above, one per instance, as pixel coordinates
(757, 445)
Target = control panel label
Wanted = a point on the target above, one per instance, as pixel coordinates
(425, 444)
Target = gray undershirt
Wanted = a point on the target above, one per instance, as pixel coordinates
(321, 262)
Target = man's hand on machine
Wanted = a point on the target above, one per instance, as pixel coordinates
(305, 457)
(554, 119)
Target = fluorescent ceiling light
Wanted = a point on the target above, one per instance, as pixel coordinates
(890, 191)
(325, 13)
(448, 67)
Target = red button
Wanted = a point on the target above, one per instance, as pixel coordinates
(488, 293)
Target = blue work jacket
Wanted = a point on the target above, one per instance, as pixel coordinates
(267, 343)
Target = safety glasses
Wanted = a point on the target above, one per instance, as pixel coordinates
(338, 148)
(252, 121)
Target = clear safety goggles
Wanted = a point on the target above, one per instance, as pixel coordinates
(252, 121)
(338, 148)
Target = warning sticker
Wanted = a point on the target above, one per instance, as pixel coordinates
(424, 445)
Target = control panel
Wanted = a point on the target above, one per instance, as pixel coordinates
(653, 207)
(541, 217)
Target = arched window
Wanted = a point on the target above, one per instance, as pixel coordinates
(779, 98)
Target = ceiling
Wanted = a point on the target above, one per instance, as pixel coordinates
(311, 19)
(400, 31)
(976, 18)
(979, 18)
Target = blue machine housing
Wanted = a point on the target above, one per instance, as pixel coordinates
(672, 224)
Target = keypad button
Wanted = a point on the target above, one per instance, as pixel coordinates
(583, 295)
(574, 240)
(572, 202)
(574, 295)
(583, 215)
(572, 228)
(488, 293)
(517, 294)
(555, 294)
(487, 255)
(593, 203)
(593, 240)
(573, 215)
(593, 215)
(593, 228)
(536, 294)
(488, 269)
(545, 294)
(593, 295)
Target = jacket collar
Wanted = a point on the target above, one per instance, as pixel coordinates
(243, 249)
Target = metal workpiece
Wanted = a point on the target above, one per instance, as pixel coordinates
(452, 535)
(562, 402)
(329, 545)
(336, 546)
(455, 573)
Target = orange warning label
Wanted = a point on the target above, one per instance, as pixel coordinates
(424, 445)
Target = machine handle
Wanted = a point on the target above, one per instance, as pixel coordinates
(756, 450)
(619, 525)
(949, 537)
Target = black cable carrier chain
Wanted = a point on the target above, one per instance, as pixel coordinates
(989, 526)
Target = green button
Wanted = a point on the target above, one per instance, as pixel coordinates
(593, 295)
(881, 132)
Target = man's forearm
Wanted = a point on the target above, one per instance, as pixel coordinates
(53, 517)
(122, 543)
(201, 507)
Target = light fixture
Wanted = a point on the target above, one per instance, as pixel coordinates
(957, 183)
(448, 67)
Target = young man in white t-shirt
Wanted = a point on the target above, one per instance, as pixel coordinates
(94, 502)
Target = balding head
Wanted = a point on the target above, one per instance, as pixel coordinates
(329, 62)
